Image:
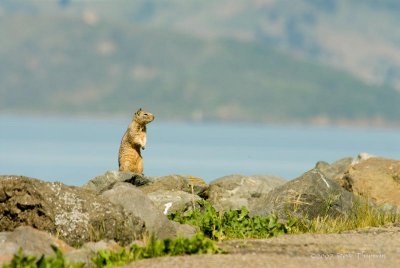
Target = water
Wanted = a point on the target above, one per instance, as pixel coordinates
(74, 150)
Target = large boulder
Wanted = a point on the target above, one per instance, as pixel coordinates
(185, 183)
(236, 191)
(309, 196)
(173, 201)
(106, 181)
(138, 203)
(36, 243)
(33, 242)
(74, 214)
(375, 178)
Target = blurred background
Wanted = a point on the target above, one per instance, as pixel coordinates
(227, 76)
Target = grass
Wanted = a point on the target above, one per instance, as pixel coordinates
(364, 215)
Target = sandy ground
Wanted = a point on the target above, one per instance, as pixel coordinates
(373, 247)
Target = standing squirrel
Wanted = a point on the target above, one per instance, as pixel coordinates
(129, 158)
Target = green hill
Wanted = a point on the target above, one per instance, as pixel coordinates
(58, 62)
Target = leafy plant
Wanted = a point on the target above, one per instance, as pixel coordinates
(232, 223)
(25, 261)
(198, 244)
(239, 224)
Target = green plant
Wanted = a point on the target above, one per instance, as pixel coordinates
(239, 224)
(198, 244)
(233, 223)
(25, 261)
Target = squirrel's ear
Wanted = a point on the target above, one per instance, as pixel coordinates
(138, 111)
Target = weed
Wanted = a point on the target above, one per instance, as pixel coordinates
(233, 223)
(57, 261)
(198, 244)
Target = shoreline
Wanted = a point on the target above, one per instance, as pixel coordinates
(317, 122)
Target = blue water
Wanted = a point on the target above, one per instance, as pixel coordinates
(74, 150)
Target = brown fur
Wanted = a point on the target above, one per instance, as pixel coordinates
(134, 139)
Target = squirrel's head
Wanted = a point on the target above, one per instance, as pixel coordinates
(142, 117)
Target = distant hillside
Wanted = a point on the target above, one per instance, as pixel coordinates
(61, 61)
(358, 36)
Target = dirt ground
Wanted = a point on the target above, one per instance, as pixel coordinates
(373, 247)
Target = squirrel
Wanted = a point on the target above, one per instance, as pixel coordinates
(130, 158)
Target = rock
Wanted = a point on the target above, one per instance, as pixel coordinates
(375, 178)
(310, 195)
(336, 170)
(172, 201)
(31, 241)
(236, 191)
(105, 182)
(184, 230)
(135, 201)
(74, 214)
(89, 250)
(189, 184)
(37, 243)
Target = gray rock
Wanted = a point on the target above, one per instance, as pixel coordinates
(106, 181)
(309, 196)
(237, 191)
(172, 201)
(135, 201)
(186, 183)
(37, 243)
(85, 253)
(74, 214)
(184, 230)
(336, 170)
(31, 241)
